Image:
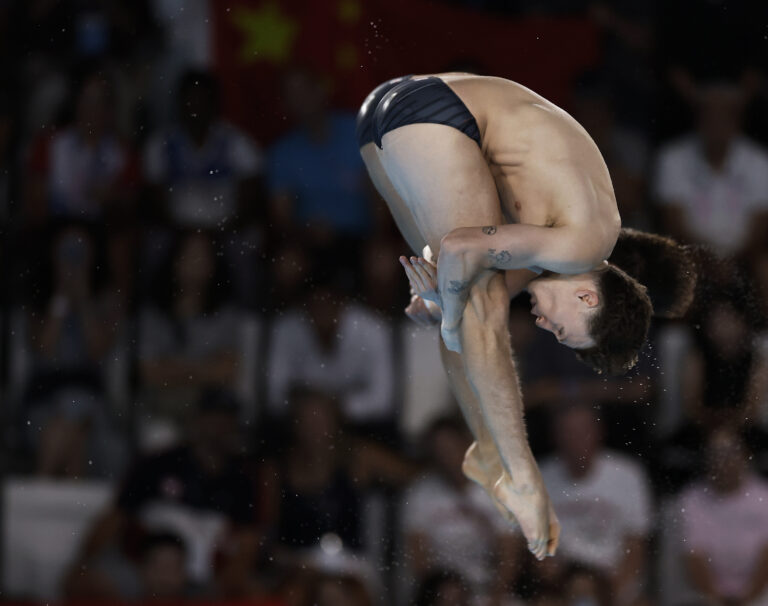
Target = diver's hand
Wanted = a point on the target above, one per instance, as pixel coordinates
(424, 313)
(528, 500)
(458, 265)
(422, 276)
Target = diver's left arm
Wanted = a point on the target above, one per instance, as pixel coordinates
(466, 252)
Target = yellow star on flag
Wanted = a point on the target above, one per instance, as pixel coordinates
(349, 11)
(269, 34)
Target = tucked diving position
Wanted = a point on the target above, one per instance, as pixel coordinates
(506, 192)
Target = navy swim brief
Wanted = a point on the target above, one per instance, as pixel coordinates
(403, 101)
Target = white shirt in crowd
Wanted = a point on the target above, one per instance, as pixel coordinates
(717, 205)
(359, 367)
(730, 531)
(599, 511)
(201, 181)
(461, 527)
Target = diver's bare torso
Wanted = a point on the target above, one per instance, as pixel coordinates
(547, 169)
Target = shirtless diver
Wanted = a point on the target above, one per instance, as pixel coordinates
(507, 192)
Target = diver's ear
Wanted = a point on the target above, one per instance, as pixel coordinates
(589, 297)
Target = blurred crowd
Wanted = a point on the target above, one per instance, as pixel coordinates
(210, 391)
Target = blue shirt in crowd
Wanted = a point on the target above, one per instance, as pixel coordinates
(327, 177)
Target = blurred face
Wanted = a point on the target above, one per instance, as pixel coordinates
(73, 253)
(305, 96)
(582, 588)
(340, 594)
(720, 113)
(315, 423)
(725, 460)
(451, 593)
(195, 263)
(163, 573)
(564, 306)
(197, 107)
(577, 437)
(726, 329)
(94, 107)
(323, 307)
(447, 448)
(216, 433)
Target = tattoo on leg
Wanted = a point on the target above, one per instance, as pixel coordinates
(489, 230)
(456, 287)
(501, 257)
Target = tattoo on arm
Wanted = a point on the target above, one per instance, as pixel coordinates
(456, 287)
(501, 257)
(489, 230)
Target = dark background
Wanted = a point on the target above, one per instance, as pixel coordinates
(209, 389)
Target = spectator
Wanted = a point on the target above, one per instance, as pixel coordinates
(162, 567)
(202, 490)
(450, 522)
(443, 588)
(722, 384)
(317, 178)
(585, 586)
(712, 185)
(335, 345)
(71, 335)
(204, 170)
(725, 526)
(204, 173)
(8, 133)
(603, 501)
(319, 479)
(338, 590)
(625, 151)
(383, 286)
(290, 277)
(85, 171)
(188, 339)
(720, 371)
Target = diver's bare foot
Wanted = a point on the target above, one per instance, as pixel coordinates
(474, 467)
(529, 502)
(476, 470)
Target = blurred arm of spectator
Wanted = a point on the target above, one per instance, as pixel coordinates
(756, 236)
(79, 580)
(161, 365)
(759, 582)
(98, 315)
(692, 383)
(251, 199)
(417, 553)
(629, 577)
(219, 368)
(669, 191)
(700, 576)
(546, 390)
(375, 391)
(374, 463)
(637, 35)
(34, 185)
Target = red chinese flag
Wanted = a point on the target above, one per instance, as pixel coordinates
(358, 44)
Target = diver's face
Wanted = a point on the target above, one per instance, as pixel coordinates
(564, 305)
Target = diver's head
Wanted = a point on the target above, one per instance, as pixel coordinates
(564, 305)
(603, 315)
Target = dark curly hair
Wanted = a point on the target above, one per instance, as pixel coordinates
(666, 268)
(646, 275)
